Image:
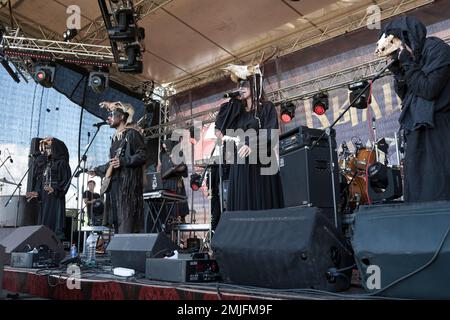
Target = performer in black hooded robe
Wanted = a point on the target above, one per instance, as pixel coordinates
(124, 205)
(249, 188)
(51, 177)
(422, 81)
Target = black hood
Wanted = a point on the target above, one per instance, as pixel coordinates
(59, 150)
(408, 29)
(169, 145)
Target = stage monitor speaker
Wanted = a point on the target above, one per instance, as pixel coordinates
(397, 240)
(306, 178)
(25, 239)
(131, 250)
(282, 248)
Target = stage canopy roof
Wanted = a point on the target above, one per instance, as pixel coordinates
(188, 41)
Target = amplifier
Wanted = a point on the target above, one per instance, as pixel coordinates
(306, 177)
(303, 136)
(182, 270)
(32, 260)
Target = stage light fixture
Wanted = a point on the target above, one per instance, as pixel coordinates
(287, 111)
(355, 89)
(125, 30)
(196, 181)
(320, 103)
(69, 34)
(44, 75)
(98, 81)
(133, 64)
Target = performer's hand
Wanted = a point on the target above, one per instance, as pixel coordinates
(115, 162)
(219, 134)
(49, 189)
(31, 195)
(244, 151)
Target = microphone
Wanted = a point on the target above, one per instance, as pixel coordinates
(34, 155)
(99, 124)
(232, 94)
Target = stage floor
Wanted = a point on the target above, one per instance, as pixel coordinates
(100, 284)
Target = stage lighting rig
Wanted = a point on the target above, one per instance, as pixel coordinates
(355, 89)
(133, 62)
(98, 81)
(69, 34)
(287, 111)
(44, 75)
(196, 181)
(320, 103)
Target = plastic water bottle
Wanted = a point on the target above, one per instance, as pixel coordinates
(91, 244)
(73, 251)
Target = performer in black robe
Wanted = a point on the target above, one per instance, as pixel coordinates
(249, 187)
(51, 178)
(422, 81)
(124, 204)
(174, 182)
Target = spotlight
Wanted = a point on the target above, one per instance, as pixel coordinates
(125, 30)
(134, 62)
(355, 89)
(44, 75)
(196, 181)
(287, 111)
(98, 81)
(69, 34)
(320, 103)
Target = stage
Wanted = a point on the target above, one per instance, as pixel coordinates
(103, 285)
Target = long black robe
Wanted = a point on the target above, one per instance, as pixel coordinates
(174, 183)
(423, 84)
(124, 205)
(53, 170)
(248, 188)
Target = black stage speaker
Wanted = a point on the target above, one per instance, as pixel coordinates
(282, 248)
(131, 250)
(399, 239)
(25, 239)
(306, 178)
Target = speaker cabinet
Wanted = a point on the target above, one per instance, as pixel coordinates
(399, 240)
(306, 177)
(282, 248)
(131, 250)
(25, 239)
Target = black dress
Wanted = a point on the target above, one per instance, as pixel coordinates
(174, 183)
(249, 188)
(423, 84)
(124, 204)
(55, 172)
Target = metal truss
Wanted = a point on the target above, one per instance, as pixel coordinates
(95, 32)
(58, 50)
(329, 26)
(300, 91)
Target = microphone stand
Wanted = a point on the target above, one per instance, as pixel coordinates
(327, 132)
(18, 187)
(4, 161)
(67, 186)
